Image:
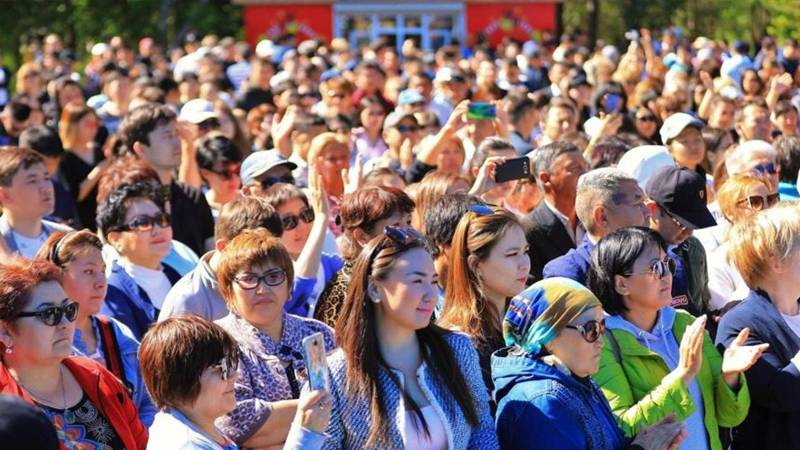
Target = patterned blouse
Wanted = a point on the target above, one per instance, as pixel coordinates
(268, 371)
(83, 427)
(330, 302)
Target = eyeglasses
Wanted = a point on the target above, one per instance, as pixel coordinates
(769, 168)
(269, 181)
(290, 222)
(481, 210)
(144, 223)
(52, 315)
(228, 174)
(673, 218)
(759, 202)
(591, 330)
(659, 269)
(250, 281)
(646, 118)
(407, 128)
(227, 366)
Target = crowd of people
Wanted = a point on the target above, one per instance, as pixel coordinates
(551, 244)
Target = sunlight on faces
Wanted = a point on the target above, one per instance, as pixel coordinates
(627, 208)
(216, 396)
(164, 150)
(143, 248)
(85, 280)
(410, 291)
(644, 291)
(31, 191)
(505, 271)
(581, 357)
(688, 148)
(34, 341)
(263, 305)
(296, 238)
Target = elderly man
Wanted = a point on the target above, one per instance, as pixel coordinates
(607, 199)
(555, 228)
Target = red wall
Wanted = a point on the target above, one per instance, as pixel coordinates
(310, 20)
(517, 20)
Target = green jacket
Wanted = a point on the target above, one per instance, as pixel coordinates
(640, 396)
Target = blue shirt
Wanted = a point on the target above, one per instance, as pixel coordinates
(574, 264)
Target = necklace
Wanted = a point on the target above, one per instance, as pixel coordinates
(69, 416)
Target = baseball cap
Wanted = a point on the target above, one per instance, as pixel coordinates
(410, 96)
(260, 162)
(676, 123)
(642, 161)
(197, 111)
(447, 74)
(395, 118)
(682, 192)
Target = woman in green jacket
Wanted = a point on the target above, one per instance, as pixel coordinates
(656, 360)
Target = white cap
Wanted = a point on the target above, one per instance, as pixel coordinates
(676, 123)
(643, 161)
(197, 111)
(265, 49)
(99, 48)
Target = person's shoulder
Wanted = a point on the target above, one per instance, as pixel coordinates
(192, 193)
(313, 325)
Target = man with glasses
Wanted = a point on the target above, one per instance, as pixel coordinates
(264, 168)
(677, 205)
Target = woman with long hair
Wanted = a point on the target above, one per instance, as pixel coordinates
(399, 380)
(489, 264)
(434, 186)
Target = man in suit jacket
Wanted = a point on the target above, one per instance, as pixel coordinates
(554, 228)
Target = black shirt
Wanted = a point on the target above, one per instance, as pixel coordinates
(192, 222)
(83, 426)
(74, 170)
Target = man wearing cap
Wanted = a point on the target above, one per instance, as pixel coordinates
(452, 88)
(677, 206)
(681, 134)
(201, 115)
(262, 169)
(607, 199)
(410, 101)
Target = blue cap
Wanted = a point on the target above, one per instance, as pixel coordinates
(410, 96)
(260, 162)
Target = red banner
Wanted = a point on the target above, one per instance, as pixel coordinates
(520, 21)
(271, 21)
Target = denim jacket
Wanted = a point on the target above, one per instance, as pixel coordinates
(129, 351)
(350, 419)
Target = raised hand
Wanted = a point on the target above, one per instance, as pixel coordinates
(316, 190)
(352, 183)
(739, 357)
(691, 350)
(485, 180)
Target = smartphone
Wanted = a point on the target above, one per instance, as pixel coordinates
(316, 364)
(513, 169)
(481, 111)
(612, 104)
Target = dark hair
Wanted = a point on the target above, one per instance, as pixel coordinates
(175, 352)
(783, 107)
(546, 155)
(607, 152)
(111, 212)
(486, 149)
(139, 123)
(358, 338)
(370, 65)
(19, 109)
(14, 159)
(363, 208)
(788, 148)
(126, 170)
(280, 193)
(441, 219)
(520, 106)
(43, 139)
(215, 148)
(614, 255)
(247, 213)
(20, 276)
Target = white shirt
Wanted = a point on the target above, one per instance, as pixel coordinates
(154, 282)
(414, 434)
(29, 246)
(725, 283)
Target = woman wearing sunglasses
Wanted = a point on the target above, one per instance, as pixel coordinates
(656, 360)
(190, 367)
(255, 276)
(400, 381)
(764, 247)
(132, 219)
(109, 342)
(218, 159)
(87, 405)
(543, 381)
(646, 124)
(305, 229)
(739, 197)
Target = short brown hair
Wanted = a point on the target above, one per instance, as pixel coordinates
(20, 276)
(62, 247)
(249, 248)
(141, 121)
(175, 352)
(247, 213)
(363, 208)
(760, 239)
(280, 193)
(14, 159)
(125, 170)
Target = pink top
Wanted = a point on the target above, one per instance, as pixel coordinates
(414, 437)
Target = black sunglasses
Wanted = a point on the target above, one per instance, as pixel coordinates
(52, 315)
(269, 181)
(290, 222)
(229, 173)
(227, 366)
(146, 223)
(407, 128)
(250, 281)
(591, 330)
(646, 118)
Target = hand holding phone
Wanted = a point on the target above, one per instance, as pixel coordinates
(481, 111)
(316, 364)
(513, 169)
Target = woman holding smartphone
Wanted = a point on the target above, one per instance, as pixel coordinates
(399, 381)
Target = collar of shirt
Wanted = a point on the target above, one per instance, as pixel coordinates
(577, 234)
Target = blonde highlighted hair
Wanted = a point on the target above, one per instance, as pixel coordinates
(734, 190)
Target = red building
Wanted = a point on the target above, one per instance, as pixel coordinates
(431, 23)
